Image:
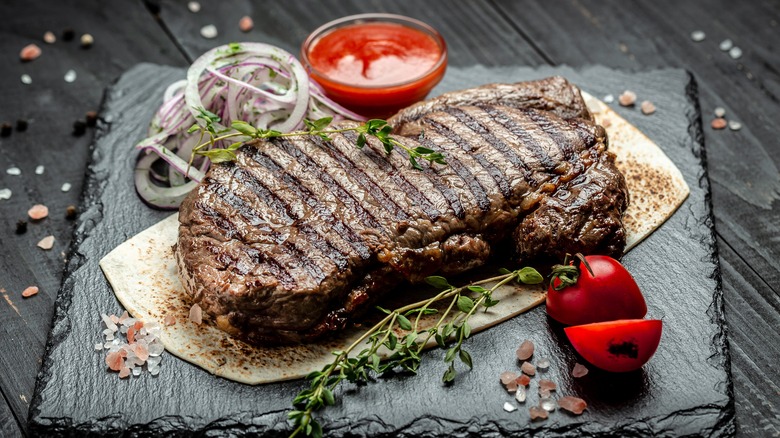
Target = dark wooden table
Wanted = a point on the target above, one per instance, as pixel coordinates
(743, 165)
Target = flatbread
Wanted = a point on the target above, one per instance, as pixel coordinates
(143, 274)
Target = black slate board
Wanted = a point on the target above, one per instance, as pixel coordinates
(684, 390)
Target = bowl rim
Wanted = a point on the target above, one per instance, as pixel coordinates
(367, 18)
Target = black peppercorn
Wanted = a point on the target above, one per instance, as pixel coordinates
(5, 129)
(79, 128)
(68, 34)
(21, 125)
(21, 227)
(92, 118)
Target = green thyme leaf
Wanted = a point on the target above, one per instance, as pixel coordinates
(529, 275)
(438, 282)
(218, 155)
(403, 322)
(465, 304)
(465, 357)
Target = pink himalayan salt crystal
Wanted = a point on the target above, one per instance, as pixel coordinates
(169, 320)
(537, 413)
(115, 361)
(545, 386)
(628, 98)
(575, 405)
(523, 380)
(123, 317)
(38, 212)
(579, 371)
(525, 351)
(114, 318)
(124, 372)
(246, 24)
(196, 314)
(511, 387)
(507, 376)
(131, 335)
(138, 325)
(30, 291)
(141, 351)
(647, 107)
(46, 243)
(528, 368)
(29, 52)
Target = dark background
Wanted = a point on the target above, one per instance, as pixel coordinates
(630, 35)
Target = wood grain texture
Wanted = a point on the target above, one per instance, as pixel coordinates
(743, 165)
(474, 31)
(124, 34)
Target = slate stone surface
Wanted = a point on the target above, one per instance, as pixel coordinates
(684, 390)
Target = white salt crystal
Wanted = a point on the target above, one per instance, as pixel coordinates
(109, 324)
(15, 171)
(609, 98)
(65, 187)
(156, 349)
(208, 31)
(136, 371)
(547, 404)
(39, 170)
(520, 395)
(543, 364)
(70, 76)
(98, 346)
(509, 407)
(26, 79)
(5, 193)
(193, 7)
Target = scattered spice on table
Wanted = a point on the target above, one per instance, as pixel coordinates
(14, 171)
(87, 40)
(509, 407)
(209, 31)
(30, 52)
(528, 368)
(579, 370)
(545, 386)
(38, 212)
(726, 45)
(537, 413)
(720, 112)
(5, 129)
(735, 52)
(71, 212)
(523, 380)
(65, 187)
(698, 36)
(647, 107)
(26, 79)
(70, 76)
(49, 37)
(627, 98)
(169, 320)
(575, 405)
(525, 351)
(142, 349)
(609, 98)
(79, 128)
(39, 169)
(46, 243)
(735, 125)
(91, 118)
(521, 394)
(68, 34)
(30, 291)
(194, 7)
(21, 125)
(543, 363)
(718, 123)
(547, 403)
(5, 193)
(21, 226)
(246, 24)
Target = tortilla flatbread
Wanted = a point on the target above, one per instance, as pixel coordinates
(143, 274)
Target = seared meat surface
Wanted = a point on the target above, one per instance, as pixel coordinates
(298, 235)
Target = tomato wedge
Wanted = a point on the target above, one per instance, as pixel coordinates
(617, 346)
(602, 291)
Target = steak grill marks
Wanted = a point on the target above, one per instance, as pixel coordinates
(525, 137)
(478, 127)
(491, 168)
(347, 234)
(283, 209)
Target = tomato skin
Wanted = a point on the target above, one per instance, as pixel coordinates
(617, 346)
(610, 294)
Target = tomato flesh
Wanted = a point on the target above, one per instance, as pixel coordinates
(610, 294)
(616, 346)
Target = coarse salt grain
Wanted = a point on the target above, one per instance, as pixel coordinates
(26, 79)
(509, 407)
(29, 52)
(575, 405)
(246, 24)
(46, 243)
(196, 314)
(521, 394)
(528, 368)
(720, 112)
(547, 404)
(735, 125)
(542, 364)
(70, 76)
(38, 212)
(209, 31)
(49, 38)
(507, 376)
(726, 45)
(124, 372)
(99, 346)
(647, 107)
(169, 320)
(609, 98)
(5, 193)
(537, 413)
(193, 7)
(546, 386)
(579, 370)
(114, 361)
(523, 380)
(525, 351)
(15, 171)
(698, 36)
(735, 52)
(65, 187)
(39, 169)
(30, 291)
(718, 123)
(627, 98)
(87, 40)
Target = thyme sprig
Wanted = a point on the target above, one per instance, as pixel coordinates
(376, 128)
(451, 328)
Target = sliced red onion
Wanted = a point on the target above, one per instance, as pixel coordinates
(257, 83)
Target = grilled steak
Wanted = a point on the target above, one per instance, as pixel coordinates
(298, 234)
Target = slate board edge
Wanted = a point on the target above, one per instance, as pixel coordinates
(91, 216)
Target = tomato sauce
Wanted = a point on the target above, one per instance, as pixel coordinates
(375, 68)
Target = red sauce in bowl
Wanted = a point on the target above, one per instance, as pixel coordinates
(375, 64)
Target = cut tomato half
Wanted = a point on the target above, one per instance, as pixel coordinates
(617, 346)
